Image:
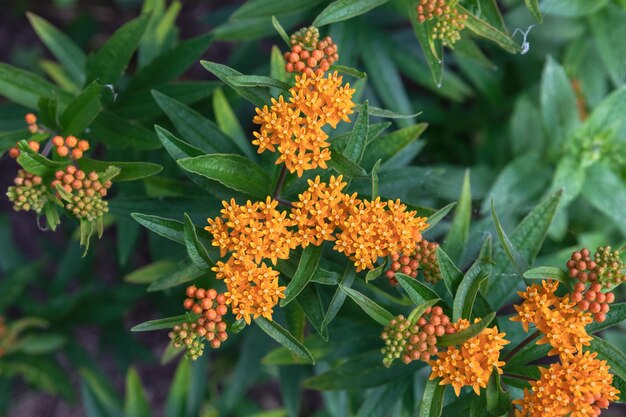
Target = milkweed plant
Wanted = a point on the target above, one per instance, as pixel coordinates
(306, 211)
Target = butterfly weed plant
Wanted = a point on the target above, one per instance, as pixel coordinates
(302, 220)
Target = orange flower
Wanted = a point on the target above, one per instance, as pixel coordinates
(252, 290)
(472, 363)
(320, 209)
(370, 231)
(563, 326)
(579, 386)
(295, 127)
(256, 231)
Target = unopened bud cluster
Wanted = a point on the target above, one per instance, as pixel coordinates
(85, 192)
(31, 121)
(424, 257)
(186, 335)
(28, 193)
(70, 146)
(606, 269)
(309, 54)
(211, 307)
(449, 26)
(415, 341)
(429, 9)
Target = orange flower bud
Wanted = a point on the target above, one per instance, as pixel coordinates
(62, 151)
(30, 118)
(71, 141)
(57, 141)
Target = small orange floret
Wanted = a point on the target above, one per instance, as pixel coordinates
(34, 145)
(14, 153)
(30, 119)
(71, 141)
(83, 145)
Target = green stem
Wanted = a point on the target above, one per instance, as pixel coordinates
(523, 344)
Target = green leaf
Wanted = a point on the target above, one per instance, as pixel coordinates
(527, 237)
(571, 8)
(419, 310)
(608, 29)
(229, 124)
(105, 394)
(25, 88)
(607, 118)
(48, 112)
(282, 336)
(515, 257)
(310, 301)
(452, 275)
(455, 241)
(59, 76)
(108, 64)
(345, 9)
(129, 171)
(468, 290)
(432, 399)
(170, 229)
(486, 30)
(358, 139)
(151, 272)
(179, 389)
(558, 103)
(61, 46)
(417, 292)
(257, 81)
(233, 171)
(498, 399)
(195, 128)
(161, 33)
(605, 191)
(196, 251)
(616, 315)
(259, 8)
(375, 187)
(389, 114)
(166, 323)
(117, 132)
(473, 330)
(256, 95)
(38, 344)
(613, 355)
(548, 272)
(281, 31)
(533, 6)
(339, 297)
(372, 309)
(36, 163)
(439, 215)
(171, 63)
(391, 144)
(136, 404)
(344, 166)
(353, 72)
(309, 262)
(432, 53)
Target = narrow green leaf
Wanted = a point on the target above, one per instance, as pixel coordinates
(48, 112)
(309, 262)
(548, 272)
(439, 215)
(344, 166)
(345, 9)
(151, 272)
(310, 301)
(59, 76)
(372, 309)
(558, 103)
(486, 30)
(282, 336)
(177, 396)
(229, 123)
(136, 404)
(533, 6)
(473, 330)
(353, 72)
(605, 191)
(517, 260)
(105, 394)
(195, 249)
(452, 275)
(389, 114)
(432, 53)
(467, 291)
(259, 8)
(339, 297)
(186, 272)
(572, 8)
(419, 310)
(25, 88)
(129, 171)
(168, 228)
(256, 95)
(607, 27)
(233, 171)
(281, 31)
(498, 399)
(375, 181)
(417, 292)
(432, 399)
(61, 46)
(257, 81)
(195, 128)
(171, 63)
(108, 64)
(456, 239)
(358, 139)
(117, 132)
(388, 146)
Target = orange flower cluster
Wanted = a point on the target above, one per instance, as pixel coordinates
(472, 363)
(253, 290)
(70, 145)
(579, 386)
(309, 54)
(563, 325)
(255, 231)
(295, 127)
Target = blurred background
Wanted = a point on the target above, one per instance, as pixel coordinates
(487, 116)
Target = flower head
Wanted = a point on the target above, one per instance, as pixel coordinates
(255, 230)
(28, 193)
(253, 290)
(579, 386)
(470, 364)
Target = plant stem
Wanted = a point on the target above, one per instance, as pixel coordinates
(46, 149)
(515, 376)
(519, 347)
(280, 183)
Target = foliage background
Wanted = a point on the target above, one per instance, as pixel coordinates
(483, 118)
